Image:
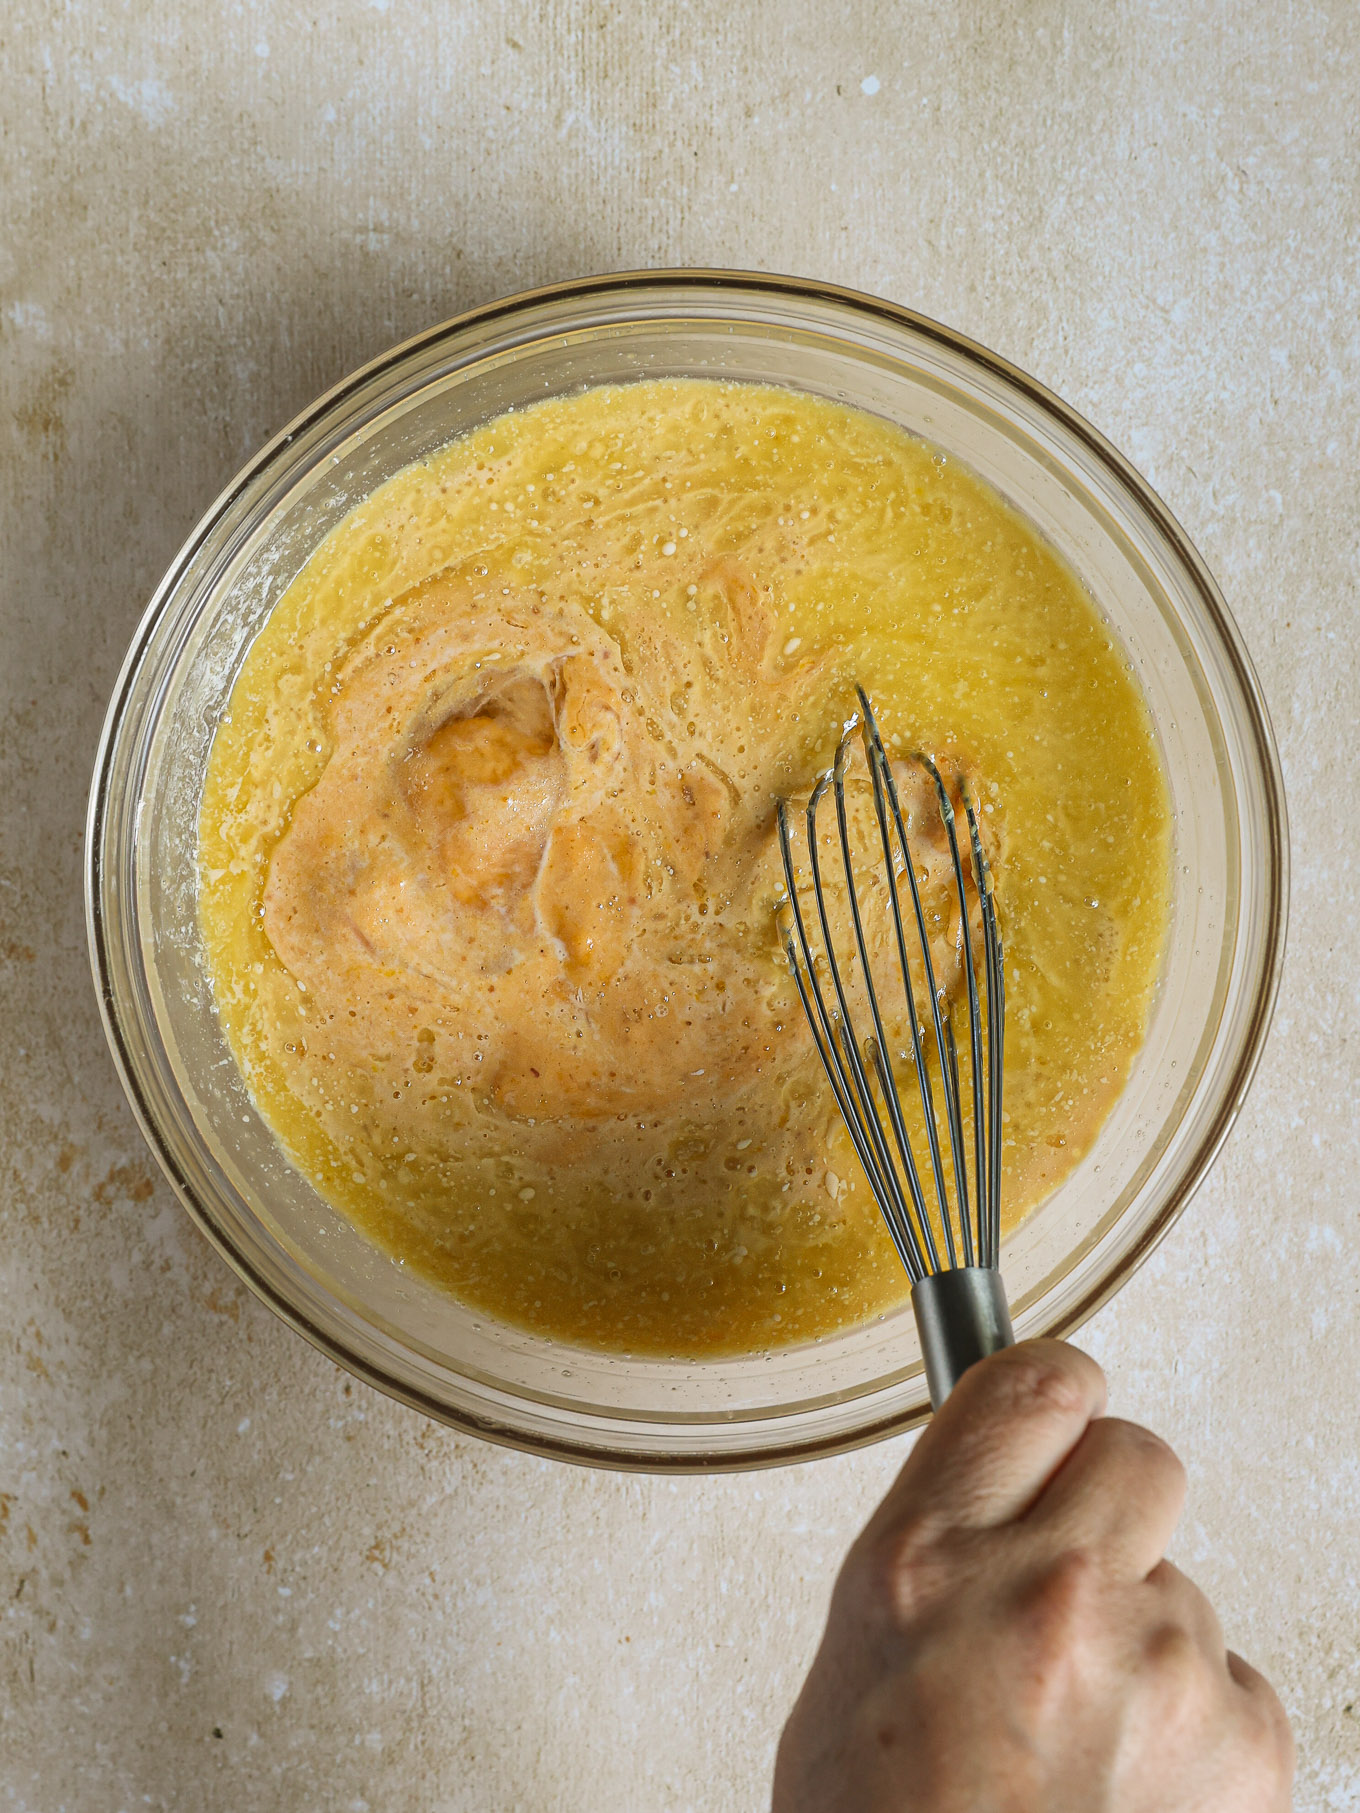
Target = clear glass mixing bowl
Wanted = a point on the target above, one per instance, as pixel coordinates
(1228, 916)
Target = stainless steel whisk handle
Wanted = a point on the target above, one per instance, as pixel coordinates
(961, 1316)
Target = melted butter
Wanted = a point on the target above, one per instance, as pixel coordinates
(488, 867)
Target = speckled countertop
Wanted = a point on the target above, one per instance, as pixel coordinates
(231, 1577)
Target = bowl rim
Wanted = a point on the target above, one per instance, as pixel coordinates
(717, 282)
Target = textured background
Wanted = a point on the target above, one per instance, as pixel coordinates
(231, 1577)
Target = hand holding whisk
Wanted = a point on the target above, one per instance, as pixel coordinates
(951, 1255)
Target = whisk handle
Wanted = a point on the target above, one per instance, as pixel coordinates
(961, 1316)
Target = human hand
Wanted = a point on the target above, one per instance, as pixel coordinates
(1006, 1637)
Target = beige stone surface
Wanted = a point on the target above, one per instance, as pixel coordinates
(229, 1576)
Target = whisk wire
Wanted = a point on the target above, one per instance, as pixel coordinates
(884, 785)
(879, 1055)
(980, 1173)
(910, 1259)
(917, 1052)
(955, 1097)
(887, 1084)
(885, 1185)
(848, 1043)
(994, 973)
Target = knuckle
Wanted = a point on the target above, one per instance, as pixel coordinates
(1148, 1450)
(905, 1570)
(1070, 1581)
(1167, 1579)
(888, 1558)
(1063, 1599)
(1159, 1452)
(1178, 1674)
(1044, 1376)
(1057, 1631)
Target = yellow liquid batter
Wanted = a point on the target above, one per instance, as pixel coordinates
(488, 867)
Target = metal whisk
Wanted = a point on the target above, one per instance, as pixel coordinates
(956, 1288)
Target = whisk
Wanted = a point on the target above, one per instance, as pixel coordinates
(956, 1288)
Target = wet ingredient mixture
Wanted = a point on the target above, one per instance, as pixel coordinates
(488, 864)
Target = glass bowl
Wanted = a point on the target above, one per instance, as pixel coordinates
(403, 1335)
